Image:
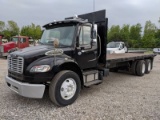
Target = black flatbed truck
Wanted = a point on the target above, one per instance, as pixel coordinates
(71, 55)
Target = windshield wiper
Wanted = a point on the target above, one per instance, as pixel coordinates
(63, 46)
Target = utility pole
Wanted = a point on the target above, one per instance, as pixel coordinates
(93, 5)
(159, 22)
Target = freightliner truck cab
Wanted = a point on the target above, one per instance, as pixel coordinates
(71, 54)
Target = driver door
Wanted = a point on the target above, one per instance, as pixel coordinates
(86, 53)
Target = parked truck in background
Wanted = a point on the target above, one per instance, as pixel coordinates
(1, 36)
(116, 47)
(17, 42)
(71, 55)
(156, 50)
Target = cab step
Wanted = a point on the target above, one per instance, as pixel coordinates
(90, 72)
(92, 83)
(92, 77)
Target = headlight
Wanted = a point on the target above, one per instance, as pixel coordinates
(40, 68)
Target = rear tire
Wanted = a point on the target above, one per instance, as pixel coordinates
(64, 88)
(140, 68)
(133, 68)
(148, 66)
(151, 64)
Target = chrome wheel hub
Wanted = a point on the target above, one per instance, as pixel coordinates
(68, 88)
(149, 66)
(143, 68)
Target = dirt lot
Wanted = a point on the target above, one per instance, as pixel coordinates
(119, 97)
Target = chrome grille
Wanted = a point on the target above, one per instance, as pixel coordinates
(15, 64)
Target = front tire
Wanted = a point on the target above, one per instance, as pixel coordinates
(64, 88)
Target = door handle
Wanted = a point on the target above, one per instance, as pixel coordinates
(82, 51)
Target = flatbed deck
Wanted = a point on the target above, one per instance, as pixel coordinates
(113, 60)
(128, 56)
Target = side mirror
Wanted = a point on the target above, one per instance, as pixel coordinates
(93, 34)
(94, 42)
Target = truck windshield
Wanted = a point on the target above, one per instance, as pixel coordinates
(64, 34)
(15, 39)
(113, 45)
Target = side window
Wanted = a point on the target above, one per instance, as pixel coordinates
(81, 37)
(23, 40)
(122, 45)
(85, 36)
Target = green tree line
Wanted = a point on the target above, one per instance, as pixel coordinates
(133, 35)
(136, 36)
(11, 29)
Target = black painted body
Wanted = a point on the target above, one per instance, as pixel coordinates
(70, 59)
(75, 57)
(36, 56)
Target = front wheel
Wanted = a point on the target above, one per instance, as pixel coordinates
(64, 88)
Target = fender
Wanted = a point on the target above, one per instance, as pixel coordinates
(53, 61)
(73, 66)
(57, 63)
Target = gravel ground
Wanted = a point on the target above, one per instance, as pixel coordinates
(120, 97)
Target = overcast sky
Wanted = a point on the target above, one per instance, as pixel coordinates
(40, 12)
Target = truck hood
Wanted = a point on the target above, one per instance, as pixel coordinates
(8, 43)
(8, 46)
(36, 51)
(31, 54)
(32, 51)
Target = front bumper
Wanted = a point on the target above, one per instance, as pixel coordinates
(26, 89)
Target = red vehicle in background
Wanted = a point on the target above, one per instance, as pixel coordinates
(17, 42)
(1, 36)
